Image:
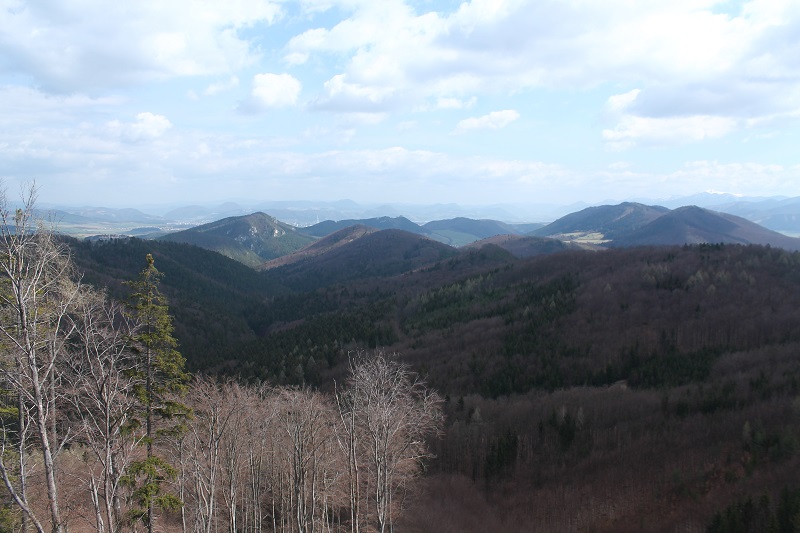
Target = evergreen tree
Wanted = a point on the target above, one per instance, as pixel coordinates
(164, 381)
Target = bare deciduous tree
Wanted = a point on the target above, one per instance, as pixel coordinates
(102, 381)
(215, 407)
(38, 290)
(306, 418)
(396, 412)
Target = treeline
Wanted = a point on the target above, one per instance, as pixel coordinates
(103, 428)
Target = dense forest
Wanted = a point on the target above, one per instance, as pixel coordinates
(104, 430)
(632, 389)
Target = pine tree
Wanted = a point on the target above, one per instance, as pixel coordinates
(164, 381)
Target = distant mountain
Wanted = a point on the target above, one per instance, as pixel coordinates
(361, 254)
(632, 224)
(706, 199)
(528, 227)
(324, 245)
(601, 224)
(200, 214)
(779, 214)
(250, 239)
(60, 217)
(329, 226)
(105, 214)
(456, 232)
(694, 225)
(461, 231)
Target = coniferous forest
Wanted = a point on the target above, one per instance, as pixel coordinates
(154, 385)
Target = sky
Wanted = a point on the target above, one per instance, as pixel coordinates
(146, 102)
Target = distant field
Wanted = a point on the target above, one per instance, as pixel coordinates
(81, 231)
(593, 237)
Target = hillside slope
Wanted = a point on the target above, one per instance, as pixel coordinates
(624, 390)
(525, 246)
(601, 224)
(366, 254)
(323, 246)
(327, 227)
(695, 225)
(461, 231)
(250, 239)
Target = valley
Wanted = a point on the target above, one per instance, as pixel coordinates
(644, 387)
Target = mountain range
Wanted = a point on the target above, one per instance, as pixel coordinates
(776, 213)
(261, 241)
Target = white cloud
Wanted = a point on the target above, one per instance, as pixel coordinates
(456, 103)
(224, 86)
(634, 127)
(634, 130)
(618, 103)
(147, 126)
(493, 121)
(94, 45)
(746, 178)
(344, 96)
(272, 90)
(688, 58)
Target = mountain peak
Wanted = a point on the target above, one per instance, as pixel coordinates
(250, 239)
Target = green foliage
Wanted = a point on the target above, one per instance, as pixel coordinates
(147, 479)
(9, 519)
(163, 380)
(163, 365)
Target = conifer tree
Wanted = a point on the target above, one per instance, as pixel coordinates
(164, 380)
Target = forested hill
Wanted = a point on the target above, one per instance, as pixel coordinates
(478, 321)
(250, 239)
(641, 388)
(208, 292)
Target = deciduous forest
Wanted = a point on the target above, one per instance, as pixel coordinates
(632, 389)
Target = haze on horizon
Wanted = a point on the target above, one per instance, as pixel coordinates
(417, 101)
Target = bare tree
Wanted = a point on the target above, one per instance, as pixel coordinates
(38, 290)
(306, 417)
(215, 407)
(348, 436)
(102, 383)
(255, 426)
(396, 412)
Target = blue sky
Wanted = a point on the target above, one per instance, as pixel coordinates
(143, 102)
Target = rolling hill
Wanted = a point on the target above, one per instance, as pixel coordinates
(631, 224)
(327, 227)
(601, 224)
(323, 246)
(357, 254)
(461, 231)
(250, 239)
(695, 225)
